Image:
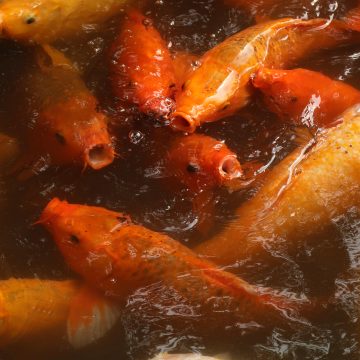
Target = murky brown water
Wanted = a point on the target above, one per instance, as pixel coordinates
(133, 184)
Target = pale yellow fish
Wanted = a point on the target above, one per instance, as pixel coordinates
(298, 199)
(33, 309)
(45, 21)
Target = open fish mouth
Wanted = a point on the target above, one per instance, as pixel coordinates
(229, 168)
(99, 156)
(183, 122)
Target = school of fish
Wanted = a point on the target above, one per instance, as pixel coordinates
(113, 256)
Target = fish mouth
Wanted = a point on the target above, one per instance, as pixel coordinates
(230, 168)
(53, 208)
(182, 122)
(99, 156)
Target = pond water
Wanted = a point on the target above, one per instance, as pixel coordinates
(327, 271)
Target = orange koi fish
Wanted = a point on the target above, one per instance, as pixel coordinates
(202, 163)
(302, 195)
(119, 257)
(141, 67)
(44, 21)
(220, 85)
(31, 309)
(68, 127)
(305, 97)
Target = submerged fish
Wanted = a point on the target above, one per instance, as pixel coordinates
(301, 196)
(119, 257)
(44, 21)
(67, 127)
(32, 309)
(305, 97)
(221, 84)
(141, 68)
(201, 163)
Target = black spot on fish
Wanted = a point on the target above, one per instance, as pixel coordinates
(294, 99)
(30, 20)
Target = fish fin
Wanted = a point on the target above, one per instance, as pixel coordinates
(91, 316)
(47, 56)
(303, 136)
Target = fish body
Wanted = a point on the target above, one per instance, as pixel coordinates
(33, 307)
(44, 21)
(67, 120)
(141, 68)
(221, 84)
(305, 97)
(299, 198)
(118, 257)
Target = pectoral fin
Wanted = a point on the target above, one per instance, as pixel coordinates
(91, 316)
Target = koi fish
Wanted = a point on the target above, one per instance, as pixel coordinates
(119, 257)
(44, 21)
(302, 195)
(141, 68)
(9, 150)
(305, 97)
(221, 84)
(202, 163)
(31, 309)
(66, 116)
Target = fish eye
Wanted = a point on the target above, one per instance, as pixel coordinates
(30, 19)
(193, 168)
(74, 239)
(60, 138)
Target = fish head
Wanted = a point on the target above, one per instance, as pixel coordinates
(200, 161)
(25, 20)
(73, 131)
(81, 233)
